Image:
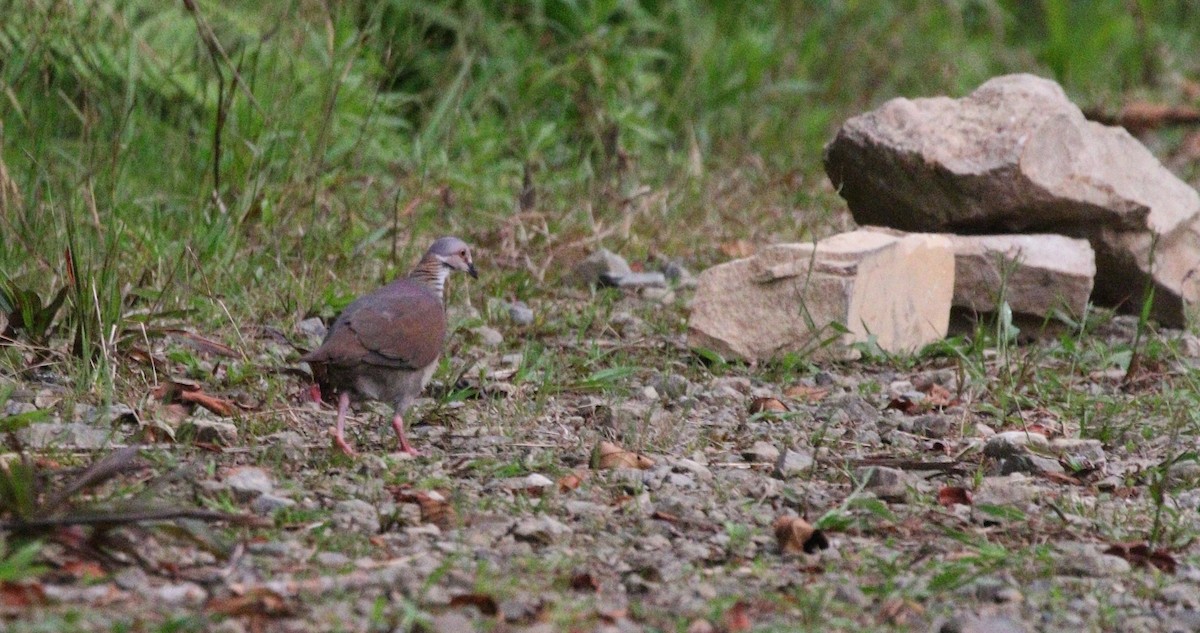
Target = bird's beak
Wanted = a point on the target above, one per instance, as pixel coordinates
(471, 270)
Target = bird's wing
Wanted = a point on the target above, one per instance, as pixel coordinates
(400, 326)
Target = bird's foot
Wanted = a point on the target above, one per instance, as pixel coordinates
(408, 449)
(340, 443)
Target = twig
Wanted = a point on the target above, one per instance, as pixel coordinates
(133, 517)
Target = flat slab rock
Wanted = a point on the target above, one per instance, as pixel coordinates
(1038, 274)
(1016, 156)
(895, 288)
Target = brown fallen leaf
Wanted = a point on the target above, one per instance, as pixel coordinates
(767, 405)
(485, 603)
(954, 495)
(570, 481)
(904, 405)
(206, 346)
(795, 535)
(1142, 555)
(608, 455)
(938, 397)
(737, 618)
(584, 581)
(435, 508)
(219, 406)
(806, 393)
(22, 594)
(257, 601)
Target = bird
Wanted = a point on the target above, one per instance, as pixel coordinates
(385, 345)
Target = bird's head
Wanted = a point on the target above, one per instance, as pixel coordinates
(454, 254)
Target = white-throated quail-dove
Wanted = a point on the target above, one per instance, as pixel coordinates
(385, 345)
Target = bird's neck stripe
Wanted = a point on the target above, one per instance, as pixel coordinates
(433, 274)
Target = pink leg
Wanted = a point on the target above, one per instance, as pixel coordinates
(405, 447)
(339, 438)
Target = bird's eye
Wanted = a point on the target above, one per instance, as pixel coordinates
(462, 253)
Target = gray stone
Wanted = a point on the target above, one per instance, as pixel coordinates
(761, 452)
(985, 624)
(679, 275)
(892, 290)
(211, 431)
(452, 622)
(1014, 490)
(488, 336)
(540, 530)
(520, 313)
(1016, 156)
(332, 559)
(672, 386)
(1183, 594)
(635, 280)
(248, 482)
(1039, 274)
(1013, 443)
(1086, 560)
(356, 515)
(886, 483)
(600, 263)
(313, 328)
(183, 593)
(934, 425)
(269, 504)
(793, 464)
(72, 435)
(1033, 464)
(1081, 453)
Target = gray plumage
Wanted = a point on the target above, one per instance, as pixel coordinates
(385, 345)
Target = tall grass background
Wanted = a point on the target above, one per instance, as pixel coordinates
(243, 162)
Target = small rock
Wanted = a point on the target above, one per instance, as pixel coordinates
(602, 262)
(886, 483)
(848, 591)
(1015, 490)
(268, 504)
(332, 559)
(356, 515)
(212, 431)
(542, 530)
(520, 313)
(313, 328)
(1080, 453)
(488, 336)
(634, 280)
(678, 275)
(649, 393)
(1013, 443)
(1185, 595)
(68, 436)
(672, 386)
(793, 464)
(248, 482)
(1033, 464)
(184, 593)
(986, 624)
(934, 425)
(761, 452)
(1087, 561)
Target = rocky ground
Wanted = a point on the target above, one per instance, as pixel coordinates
(586, 471)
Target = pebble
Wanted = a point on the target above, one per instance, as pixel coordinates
(1087, 561)
(356, 515)
(269, 504)
(886, 483)
(184, 593)
(672, 386)
(601, 262)
(933, 425)
(313, 328)
(249, 482)
(1032, 464)
(488, 336)
(1012, 443)
(212, 431)
(634, 280)
(69, 435)
(332, 559)
(1083, 453)
(793, 464)
(540, 529)
(761, 452)
(520, 313)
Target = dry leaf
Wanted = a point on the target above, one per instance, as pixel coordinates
(584, 581)
(570, 481)
(205, 346)
(795, 535)
(938, 397)
(257, 601)
(435, 508)
(219, 406)
(954, 495)
(806, 393)
(737, 618)
(485, 603)
(608, 455)
(22, 594)
(769, 405)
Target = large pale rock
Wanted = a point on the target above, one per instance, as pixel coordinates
(896, 288)
(1017, 156)
(1036, 274)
